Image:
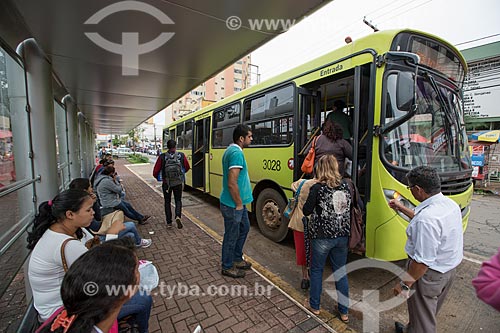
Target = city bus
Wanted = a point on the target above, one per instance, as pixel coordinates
(402, 91)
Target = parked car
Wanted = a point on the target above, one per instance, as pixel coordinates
(124, 152)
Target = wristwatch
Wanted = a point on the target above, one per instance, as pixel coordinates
(404, 286)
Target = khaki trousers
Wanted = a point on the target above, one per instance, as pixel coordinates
(423, 306)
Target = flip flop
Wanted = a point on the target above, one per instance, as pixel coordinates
(308, 307)
(344, 318)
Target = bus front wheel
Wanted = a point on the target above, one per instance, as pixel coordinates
(269, 213)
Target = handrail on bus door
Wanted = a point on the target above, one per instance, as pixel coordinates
(310, 140)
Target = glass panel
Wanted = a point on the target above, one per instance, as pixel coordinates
(434, 136)
(273, 132)
(436, 56)
(17, 207)
(180, 136)
(227, 117)
(188, 136)
(223, 137)
(270, 105)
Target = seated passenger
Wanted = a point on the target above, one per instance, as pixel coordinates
(129, 230)
(114, 263)
(109, 191)
(62, 221)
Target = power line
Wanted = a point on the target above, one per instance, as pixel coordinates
(475, 40)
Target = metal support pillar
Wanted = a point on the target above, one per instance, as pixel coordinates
(41, 107)
(73, 144)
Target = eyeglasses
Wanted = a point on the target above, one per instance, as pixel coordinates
(410, 187)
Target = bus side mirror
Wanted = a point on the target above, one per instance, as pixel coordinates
(405, 91)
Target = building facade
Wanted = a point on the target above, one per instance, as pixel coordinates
(231, 80)
(482, 87)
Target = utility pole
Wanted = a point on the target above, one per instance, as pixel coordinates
(154, 133)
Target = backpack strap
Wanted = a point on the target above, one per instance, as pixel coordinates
(298, 189)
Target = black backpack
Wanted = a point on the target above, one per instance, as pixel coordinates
(172, 169)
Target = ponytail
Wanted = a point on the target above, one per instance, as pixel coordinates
(52, 211)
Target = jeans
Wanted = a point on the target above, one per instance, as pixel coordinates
(336, 250)
(139, 306)
(236, 227)
(167, 197)
(129, 211)
(130, 231)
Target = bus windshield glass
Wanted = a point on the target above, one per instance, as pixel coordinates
(436, 56)
(434, 136)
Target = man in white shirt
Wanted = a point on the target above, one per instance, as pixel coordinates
(434, 248)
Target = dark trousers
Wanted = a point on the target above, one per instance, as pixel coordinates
(167, 197)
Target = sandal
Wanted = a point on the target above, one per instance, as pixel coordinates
(344, 318)
(308, 307)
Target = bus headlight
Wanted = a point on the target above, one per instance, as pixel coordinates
(395, 195)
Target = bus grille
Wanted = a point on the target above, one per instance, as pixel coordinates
(455, 186)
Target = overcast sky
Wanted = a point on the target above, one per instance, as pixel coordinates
(458, 21)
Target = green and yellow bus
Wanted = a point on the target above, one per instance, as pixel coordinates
(403, 93)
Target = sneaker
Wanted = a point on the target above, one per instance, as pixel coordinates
(233, 272)
(242, 264)
(145, 243)
(179, 222)
(144, 219)
(169, 225)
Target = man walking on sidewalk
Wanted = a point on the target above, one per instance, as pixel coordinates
(434, 248)
(172, 166)
(236, 193)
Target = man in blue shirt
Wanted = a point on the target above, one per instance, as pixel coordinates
(434, 248)
(236, 193)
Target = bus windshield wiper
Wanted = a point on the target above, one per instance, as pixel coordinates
(448, 113)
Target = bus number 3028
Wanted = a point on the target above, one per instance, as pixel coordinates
(274, 165)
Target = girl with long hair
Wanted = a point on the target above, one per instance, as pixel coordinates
(329, 206)
(112, 264)
(59, 221)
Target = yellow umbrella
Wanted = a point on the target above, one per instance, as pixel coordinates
(487, 136)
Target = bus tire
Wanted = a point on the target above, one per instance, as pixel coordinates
(269, 214)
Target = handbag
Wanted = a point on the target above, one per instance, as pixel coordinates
(108, 220)
(308, 164)
(356, 233)
(292, 202)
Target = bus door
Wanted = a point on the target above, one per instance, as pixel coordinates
(200, 154)
(307, 124)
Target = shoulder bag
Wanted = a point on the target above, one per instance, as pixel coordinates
(308, 164)
(108, 220)
(292, 202)
(356, 233)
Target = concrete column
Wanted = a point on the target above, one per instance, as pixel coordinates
(73, 144)
(40, 98)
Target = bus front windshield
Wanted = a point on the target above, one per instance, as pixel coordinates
(434, 136)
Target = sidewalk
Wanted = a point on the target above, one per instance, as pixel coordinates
(193, 292)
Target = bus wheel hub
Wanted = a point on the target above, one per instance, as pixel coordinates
(271, 215)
